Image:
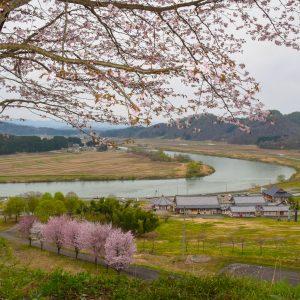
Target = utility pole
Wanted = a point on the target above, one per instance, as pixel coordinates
(183, 234)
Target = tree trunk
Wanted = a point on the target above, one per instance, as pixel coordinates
(58, 250)
(30, 242)
(152, 250)
(96, 260)
(42, 246)
(76, 253)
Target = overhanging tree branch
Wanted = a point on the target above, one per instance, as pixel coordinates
(73, 61)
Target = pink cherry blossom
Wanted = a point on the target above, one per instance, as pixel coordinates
(36, 233)
(24, 226)
(130, 61)
(54, 231)
(96, 236)
(75, 233)
(119, 249)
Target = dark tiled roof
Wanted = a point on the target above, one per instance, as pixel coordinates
(162, 201)
(197, 202)
(275, 191)
(249, 201)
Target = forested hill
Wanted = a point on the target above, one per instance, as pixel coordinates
(31, 144)
(23, 130)
(284, 133)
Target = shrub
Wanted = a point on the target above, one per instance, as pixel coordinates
(193, 169)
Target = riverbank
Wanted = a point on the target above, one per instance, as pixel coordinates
(289, 158)
(89, 166)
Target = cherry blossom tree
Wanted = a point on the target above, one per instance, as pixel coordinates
(54, 231)
(128, 61)
(96, 238)
(37, 233)
(75, 232)
(119, 249)
(25, 225)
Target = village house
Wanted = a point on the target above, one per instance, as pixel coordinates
(249, 201)
(276, 194)
(203, 205)
(242, 211)
(162, 203)
(270, 204)
(277, 211)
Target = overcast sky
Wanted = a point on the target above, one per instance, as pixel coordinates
(277, 69)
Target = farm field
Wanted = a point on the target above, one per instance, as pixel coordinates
(217, 242)
(289, 158)
(108, 165)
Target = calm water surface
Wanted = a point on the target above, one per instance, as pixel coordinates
(230, 175)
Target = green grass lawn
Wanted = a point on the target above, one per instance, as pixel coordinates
(260, 241)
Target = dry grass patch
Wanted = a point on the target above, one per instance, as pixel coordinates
(36, 259)
(87, 165)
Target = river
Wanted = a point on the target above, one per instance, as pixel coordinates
(230, 175)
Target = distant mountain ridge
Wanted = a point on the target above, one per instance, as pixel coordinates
(284, 133)
(24, 130)
(44, 128)
(286, 129)
(41, 123)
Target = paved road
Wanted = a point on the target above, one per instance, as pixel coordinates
(272, 274)
(136, 271)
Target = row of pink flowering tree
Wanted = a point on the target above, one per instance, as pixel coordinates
(101, 240)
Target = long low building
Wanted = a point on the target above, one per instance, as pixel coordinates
(249, 201)
(203, 205)
(275, 211)
(234, 206)
(242, 211)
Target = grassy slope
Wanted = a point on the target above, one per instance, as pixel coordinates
(280, 244)
(19, 281)
(109, 165)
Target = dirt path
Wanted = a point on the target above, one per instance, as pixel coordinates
(135, 271)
